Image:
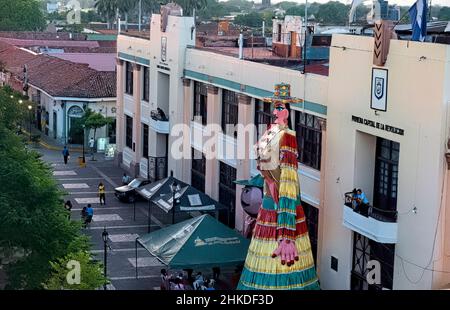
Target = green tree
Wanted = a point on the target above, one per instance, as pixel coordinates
(108, 10)
(94, 120)
(91, 274)
(333, 12)
(250, 20)
(125, 7)
(444, 13)
(21, 15)
(298, 10)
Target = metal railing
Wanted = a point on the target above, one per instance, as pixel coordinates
(368, 210)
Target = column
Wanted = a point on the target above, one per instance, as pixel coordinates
(187, 102)
(120, 121)
(212, 164)
(244, 143)
(323, 158)
(137, 134)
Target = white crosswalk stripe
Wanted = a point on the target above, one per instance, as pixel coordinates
(87, 200)
(106, 218)
(64, 172)
(123, 237)
(75, 185)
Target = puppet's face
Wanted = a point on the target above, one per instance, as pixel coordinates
(281, 114)
(251, 199)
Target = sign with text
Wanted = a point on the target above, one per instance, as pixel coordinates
(163, 49)
(379, 89)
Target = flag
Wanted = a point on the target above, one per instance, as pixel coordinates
(418, 17)
(352, 12)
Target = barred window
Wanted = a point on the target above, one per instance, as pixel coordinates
(263, 116)
(200, 101)
(229, 110)
(145, 141)
(309, 139)
(198, 170)
(146, 86)
(312, 222)
(129, 131)
(129, 79)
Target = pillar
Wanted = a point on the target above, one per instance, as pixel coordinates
(212, 164)
(137, 134)
(120, 121)
(245, 117)
(187, 102)
(323, 127)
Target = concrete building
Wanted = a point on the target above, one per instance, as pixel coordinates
(360, 126)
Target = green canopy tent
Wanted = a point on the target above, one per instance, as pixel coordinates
(195, 243)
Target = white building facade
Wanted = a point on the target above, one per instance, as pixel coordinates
(395, 154)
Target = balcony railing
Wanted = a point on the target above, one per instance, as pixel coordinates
(374, 223)
(368, 210)
(159, 122)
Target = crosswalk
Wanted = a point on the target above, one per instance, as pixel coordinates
(115, 216)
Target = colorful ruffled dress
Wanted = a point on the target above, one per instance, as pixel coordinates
(274, 222)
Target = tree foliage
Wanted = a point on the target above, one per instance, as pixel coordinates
(21, 15)
(91, 274)
(35, 228)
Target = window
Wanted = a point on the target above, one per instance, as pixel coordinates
(129, 79)
(227, 192)
(364, 250)
(386, 179)
(112, 132)
(129, 131)
(146, 86)
(279, 33)
(263, 116)
(145, 141)
(198, 170)
(200, 101)
(312, 221)
(229, 111)
(309, 139)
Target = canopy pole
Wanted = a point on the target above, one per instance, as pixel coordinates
(149, 223)
(136, 254)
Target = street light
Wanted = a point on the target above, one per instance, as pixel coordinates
(105, 244)
(175, 187)
(29, 109)
(84, 134)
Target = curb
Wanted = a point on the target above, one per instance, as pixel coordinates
(54, 148)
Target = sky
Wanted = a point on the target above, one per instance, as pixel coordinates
(399, 2)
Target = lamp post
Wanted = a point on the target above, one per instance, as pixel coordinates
(29, 109)
(105, 244)
(84, 134)
(175, 187)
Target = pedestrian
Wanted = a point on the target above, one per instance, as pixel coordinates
(101, 193)
(165, 284)
(66, 154)
(83, 216)
(68, 207)
(91, 145)
(125, 179)
(89, 215)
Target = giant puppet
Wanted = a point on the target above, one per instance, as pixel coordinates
(279, 256)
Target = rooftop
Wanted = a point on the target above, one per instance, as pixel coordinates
(58, 77)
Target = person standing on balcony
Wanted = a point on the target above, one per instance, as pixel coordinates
(362, 205)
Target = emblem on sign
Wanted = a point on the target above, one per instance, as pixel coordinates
(378, 98)
(379, 86)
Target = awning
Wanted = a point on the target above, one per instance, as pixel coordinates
(188, 199)
(196, 243)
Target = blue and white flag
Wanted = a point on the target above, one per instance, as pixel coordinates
(418, 17)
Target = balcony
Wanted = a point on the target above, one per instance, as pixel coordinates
(159, 122)
(374, 223)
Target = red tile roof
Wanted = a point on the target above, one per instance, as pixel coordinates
(58, 77)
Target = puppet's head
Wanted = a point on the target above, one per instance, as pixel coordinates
(252, 194)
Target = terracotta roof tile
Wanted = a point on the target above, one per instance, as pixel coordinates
(58, 77)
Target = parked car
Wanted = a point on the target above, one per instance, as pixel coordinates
(127, 193)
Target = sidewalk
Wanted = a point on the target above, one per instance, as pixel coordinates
(50, 143)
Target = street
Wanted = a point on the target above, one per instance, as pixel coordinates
(117, 217)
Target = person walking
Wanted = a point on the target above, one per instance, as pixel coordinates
(68, 207)
(89, 215)
(101, 193)
(125, 179)
(66, 154)
(92, 145)
(84, 216)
